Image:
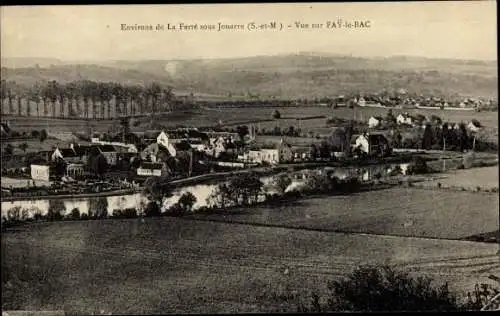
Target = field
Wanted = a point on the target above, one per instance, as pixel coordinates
(172, 265)
(485, 178)
(246, 115)
(400, 211)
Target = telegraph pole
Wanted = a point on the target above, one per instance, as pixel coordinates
(444, 151)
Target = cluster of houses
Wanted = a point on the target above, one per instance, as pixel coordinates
(403, 100)
(405, 119)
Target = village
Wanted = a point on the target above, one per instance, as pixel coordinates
(123, 161)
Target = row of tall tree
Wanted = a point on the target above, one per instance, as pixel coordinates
(85, 98)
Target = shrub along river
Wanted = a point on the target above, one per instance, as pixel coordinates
(202, 193)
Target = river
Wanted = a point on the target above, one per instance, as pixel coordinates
(201, 191)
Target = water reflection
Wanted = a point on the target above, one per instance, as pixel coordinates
(200, 191)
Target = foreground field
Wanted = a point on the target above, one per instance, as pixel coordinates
(400, 211)
(176, 266)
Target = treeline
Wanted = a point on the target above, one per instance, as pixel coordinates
(87, 99)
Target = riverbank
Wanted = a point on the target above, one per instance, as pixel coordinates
(215, 177)
(402, 158)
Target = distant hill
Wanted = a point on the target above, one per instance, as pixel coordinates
(299, 75)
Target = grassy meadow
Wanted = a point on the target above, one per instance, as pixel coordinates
(171, 265)
(399, 211)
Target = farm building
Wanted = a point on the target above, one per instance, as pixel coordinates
(362, 101)
(153, 152)
(68, 154)
(152, 169)
(40, 172)
(404, 119)
(474, 126)
(371, 144)
(109, 152)
(374, 121)
(273, 155)
(75, 169)
(301, 153)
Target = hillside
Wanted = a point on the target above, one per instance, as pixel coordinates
(302, 75)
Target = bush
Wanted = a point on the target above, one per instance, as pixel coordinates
(377, 289)
(418, 166)
(152, 210)
(75, 214)
(125, 213)
(276, 114)
(186, 201)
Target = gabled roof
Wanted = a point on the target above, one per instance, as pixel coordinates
(379, 118)
(67, 152)
(182, 146)
(107, 148)
(81, 150)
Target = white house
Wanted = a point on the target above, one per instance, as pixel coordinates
(40, 172)
(151, 169)
(371, 143)
(404, 118)
(163, 140)
(361, 101)
(374, 121)
(473, 127)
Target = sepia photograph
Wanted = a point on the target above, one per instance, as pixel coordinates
(249, 158)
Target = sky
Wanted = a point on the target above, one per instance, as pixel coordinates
(459, 30)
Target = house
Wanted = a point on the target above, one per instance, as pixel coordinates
(374, 121)
(164, 140)
(269, 155)
(264, 155)
(474, 126)
(362, 101)
(67, 154)
(281, 153)
(302, 154)
(154, 152)
(109, 152)
(285, 153)
(221, 145)
(40, 172)
(153, 169)
(373, 144)
(75, 170)
(404, 119)
(197, 145)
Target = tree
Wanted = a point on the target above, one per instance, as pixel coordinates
(428, 136)
(390, 118)
(97, 163)
(186, 202)
(43, 135)
(242, 131)
(376, 289)
(156, 189)
(8, 150)
(282, 182)
(23, 147)
(324, 149)
(314, 153)
(56, 210)
(276, 115)
(98, 208)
